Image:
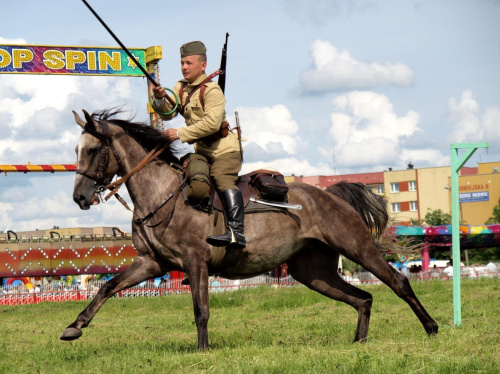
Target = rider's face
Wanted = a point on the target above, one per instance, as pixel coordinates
(192, 67)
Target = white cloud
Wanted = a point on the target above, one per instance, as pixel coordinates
(28, 202)
(37, 126)
(367, 133)
(5, 219)
(425, 157)
(37, 123)
(470, 124)
(12, 41)
(272, 129)
(335, 70)
(288, 166)
(463, 114)
(491, 125)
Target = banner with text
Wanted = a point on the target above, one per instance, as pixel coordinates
(473, 197)
(34, 59)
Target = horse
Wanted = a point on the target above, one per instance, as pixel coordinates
(169, 235)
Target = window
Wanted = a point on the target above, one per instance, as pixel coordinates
(380, 189)
(396, 207)
(413, 206)
(413, 185)
(394, 187)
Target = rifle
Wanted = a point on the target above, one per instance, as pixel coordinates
(222, 69)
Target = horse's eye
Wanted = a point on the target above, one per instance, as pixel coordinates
(92, 151)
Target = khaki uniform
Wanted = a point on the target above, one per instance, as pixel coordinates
(201, 123)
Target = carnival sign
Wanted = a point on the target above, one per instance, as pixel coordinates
(34, 59)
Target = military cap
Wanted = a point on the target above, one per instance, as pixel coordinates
(193, 48)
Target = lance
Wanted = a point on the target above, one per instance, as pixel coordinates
(149, 77)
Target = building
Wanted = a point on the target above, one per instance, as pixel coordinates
(412, 193)
(432, 192)
(401, 193)
(375, 181)
(479, 193)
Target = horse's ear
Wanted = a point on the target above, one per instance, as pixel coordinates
(79, 120)
(90, 121)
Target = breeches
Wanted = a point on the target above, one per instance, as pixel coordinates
(224, 170)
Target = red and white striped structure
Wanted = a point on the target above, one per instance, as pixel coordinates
(37, 168)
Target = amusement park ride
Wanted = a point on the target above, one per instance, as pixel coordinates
(50, 256)
(64, 255)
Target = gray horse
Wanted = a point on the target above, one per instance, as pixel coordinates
(170, 235)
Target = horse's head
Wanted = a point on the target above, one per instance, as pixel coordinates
(96, 165)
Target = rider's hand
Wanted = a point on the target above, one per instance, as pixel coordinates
(171, 134)
(159, 92)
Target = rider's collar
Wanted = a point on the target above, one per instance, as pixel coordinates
(200, 79)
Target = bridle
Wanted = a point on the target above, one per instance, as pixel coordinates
(101, 185)
(98, 174)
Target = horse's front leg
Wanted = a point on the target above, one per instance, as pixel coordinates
(143, 268)
(198, 280)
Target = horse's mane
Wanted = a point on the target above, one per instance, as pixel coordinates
(145, 135)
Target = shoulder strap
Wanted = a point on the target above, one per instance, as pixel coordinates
(202, 86)
(180, 107)
(202, 92)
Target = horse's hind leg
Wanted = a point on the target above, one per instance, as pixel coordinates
(316, 268)
(366, 254)
(143, 268)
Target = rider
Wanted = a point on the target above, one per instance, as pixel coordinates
(204, 113)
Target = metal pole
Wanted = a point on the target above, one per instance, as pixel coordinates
(456, 165)
(147, 75)
(121, 45)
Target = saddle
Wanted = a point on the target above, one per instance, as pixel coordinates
(259, 184)
(265, 184)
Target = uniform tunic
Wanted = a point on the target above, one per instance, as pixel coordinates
(223, 154)
(201, 123)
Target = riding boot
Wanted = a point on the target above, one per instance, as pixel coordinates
(232, 200)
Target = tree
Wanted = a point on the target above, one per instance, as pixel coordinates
(437, 217)
(495, 218)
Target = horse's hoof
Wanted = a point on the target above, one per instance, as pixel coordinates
(433, 330)
(71, 333)
(431, 333)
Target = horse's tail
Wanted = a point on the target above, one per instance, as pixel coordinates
(372, 208)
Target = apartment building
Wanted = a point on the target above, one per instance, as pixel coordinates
(401, 194)
(478, 193)
(412, 193)
(374, 181)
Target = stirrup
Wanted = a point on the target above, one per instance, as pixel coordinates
(229, 239)
(237, 243)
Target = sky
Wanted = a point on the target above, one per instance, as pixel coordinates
(321, 87)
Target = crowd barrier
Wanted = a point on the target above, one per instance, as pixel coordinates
(58, 293)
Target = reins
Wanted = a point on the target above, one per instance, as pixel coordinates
(102, 185)
(115, 186)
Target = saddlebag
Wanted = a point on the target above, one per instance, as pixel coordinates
(270, 185)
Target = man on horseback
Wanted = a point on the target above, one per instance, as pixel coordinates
(205, 116)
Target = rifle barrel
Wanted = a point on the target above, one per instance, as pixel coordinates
(222, 69)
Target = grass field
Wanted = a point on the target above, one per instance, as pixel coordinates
(260, 330)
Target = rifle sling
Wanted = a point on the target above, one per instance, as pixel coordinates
(202, 87)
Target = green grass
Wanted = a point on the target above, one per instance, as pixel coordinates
(260, 330)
